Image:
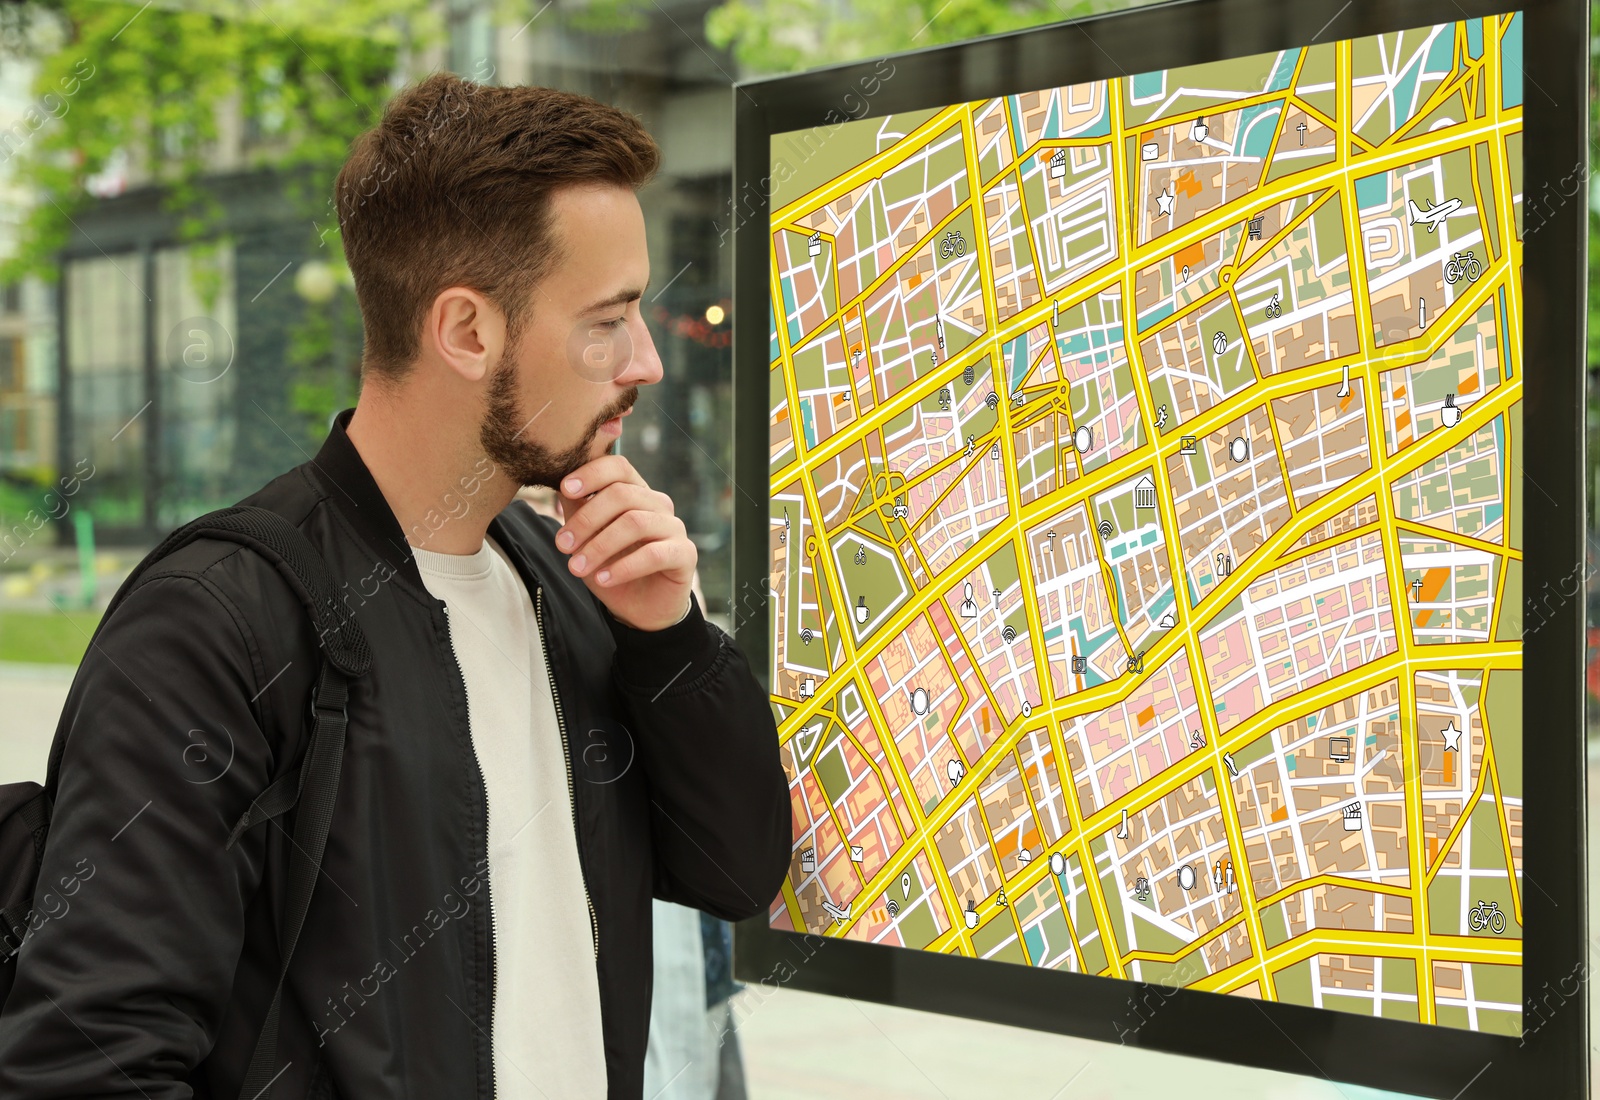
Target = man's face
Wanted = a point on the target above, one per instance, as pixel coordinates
(557, 398)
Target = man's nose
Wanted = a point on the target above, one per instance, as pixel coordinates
(644, 365)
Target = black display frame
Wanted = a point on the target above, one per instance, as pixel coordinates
(1551, 1057)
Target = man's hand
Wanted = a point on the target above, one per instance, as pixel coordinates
(626, 544)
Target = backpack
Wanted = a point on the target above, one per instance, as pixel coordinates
(25, 807)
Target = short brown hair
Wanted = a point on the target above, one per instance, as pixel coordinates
(452, 188)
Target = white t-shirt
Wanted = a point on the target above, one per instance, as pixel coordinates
(547, 1038)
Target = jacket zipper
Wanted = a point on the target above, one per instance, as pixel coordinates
(494, 943)
(566, 759)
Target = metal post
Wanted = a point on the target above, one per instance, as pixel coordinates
(83, 527)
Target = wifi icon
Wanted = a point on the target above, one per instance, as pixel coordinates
(1106, 530)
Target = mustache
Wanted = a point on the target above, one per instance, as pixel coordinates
(615, 409)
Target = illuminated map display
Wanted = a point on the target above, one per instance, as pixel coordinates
(1145, 550)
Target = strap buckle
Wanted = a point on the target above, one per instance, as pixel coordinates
(343, 710)
(328, 678)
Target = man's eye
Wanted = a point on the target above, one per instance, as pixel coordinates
(613, 324)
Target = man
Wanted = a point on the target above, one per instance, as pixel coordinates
(550, 735)
(693, 1053)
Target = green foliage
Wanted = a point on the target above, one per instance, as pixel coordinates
(323, 352)
(154, 83)
(151, 80)
(596, 17)
(20, 494)
(607, 17)
(769, 37)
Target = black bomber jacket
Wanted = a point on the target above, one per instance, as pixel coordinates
(153, 975)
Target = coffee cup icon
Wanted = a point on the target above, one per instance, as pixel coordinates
(1450, 414)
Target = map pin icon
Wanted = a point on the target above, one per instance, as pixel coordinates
(905, 884)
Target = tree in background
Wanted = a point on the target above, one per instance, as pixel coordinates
(768, 37)
(304, 77)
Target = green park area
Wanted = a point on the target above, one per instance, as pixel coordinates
(46, 637)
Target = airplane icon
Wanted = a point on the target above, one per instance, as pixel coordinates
(1435, 214)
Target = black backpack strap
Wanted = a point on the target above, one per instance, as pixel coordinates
(276, 799)
(281, 542)
(314, 783)
(320, 770)
(340, 637)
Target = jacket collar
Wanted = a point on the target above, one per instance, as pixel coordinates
(350, 487)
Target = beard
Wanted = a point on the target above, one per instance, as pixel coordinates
(524, 460)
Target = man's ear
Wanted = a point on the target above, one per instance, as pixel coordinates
(467, 331)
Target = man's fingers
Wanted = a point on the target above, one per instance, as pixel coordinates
(661, 556)
(627, 530)
(593, 476)
(585, 520)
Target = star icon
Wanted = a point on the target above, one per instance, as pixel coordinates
(1452, 737)
(1164, 203)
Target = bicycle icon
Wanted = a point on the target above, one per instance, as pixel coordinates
(952, 244)
(1463, 265)
(1486, 914)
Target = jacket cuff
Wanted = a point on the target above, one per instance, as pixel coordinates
(651, 661)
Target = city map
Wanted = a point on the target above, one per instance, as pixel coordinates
(1145, 555)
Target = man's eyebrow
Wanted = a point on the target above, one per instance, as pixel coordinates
(621, 297)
